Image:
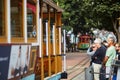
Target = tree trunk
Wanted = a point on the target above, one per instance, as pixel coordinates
(117, 30)
(118, 35)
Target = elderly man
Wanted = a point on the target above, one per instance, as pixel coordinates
(110, 55)
(98, 58)
(91, 50)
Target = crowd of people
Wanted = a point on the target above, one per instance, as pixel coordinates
(103, 53)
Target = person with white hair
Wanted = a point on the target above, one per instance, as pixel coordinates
(91, 50)
(110, 55)
(98, 58)
(111, 34)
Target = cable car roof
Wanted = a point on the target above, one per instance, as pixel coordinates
(52, 4)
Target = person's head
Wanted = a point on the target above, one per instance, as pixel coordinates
(117, 46)
(97, 42)
(105, 43)
(94, 47)
(110, 41)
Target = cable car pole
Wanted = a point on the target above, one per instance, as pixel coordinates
(64, 51)
(64, 74)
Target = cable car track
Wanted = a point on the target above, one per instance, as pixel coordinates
(78, 68)
(79, 65)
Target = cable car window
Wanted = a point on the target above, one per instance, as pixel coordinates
(16, 18)
(2, 18)
(31, 19)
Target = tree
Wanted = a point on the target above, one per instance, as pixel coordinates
(108, 12)
(84, 14)
(72, 17)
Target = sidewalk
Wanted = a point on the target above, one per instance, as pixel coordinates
(80, 76)
(76, 64)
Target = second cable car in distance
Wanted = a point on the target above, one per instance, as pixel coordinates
(84, 42)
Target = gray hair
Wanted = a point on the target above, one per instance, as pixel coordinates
(98, 40)
(112, 38)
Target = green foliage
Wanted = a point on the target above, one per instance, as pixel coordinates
(84, 14)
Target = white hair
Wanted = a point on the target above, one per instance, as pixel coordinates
(98, 40)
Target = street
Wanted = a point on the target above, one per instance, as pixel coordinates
(76, 64)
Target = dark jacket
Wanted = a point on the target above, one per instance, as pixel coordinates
(99, 55)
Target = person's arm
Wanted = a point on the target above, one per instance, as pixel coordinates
(108, 53)
(90, 52)
(105, 60)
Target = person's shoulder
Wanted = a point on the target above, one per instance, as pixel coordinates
(102, 48)
(112, 47)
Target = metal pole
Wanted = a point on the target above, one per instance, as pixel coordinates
(47, 38)
(54, 39)
(40, 37)
(64, 50)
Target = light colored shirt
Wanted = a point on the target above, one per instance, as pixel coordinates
(111, 53)
(90, 53)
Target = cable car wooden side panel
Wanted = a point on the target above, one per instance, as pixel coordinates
(30, 40)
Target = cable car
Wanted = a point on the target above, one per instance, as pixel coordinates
(84, 42)
(30, 40)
